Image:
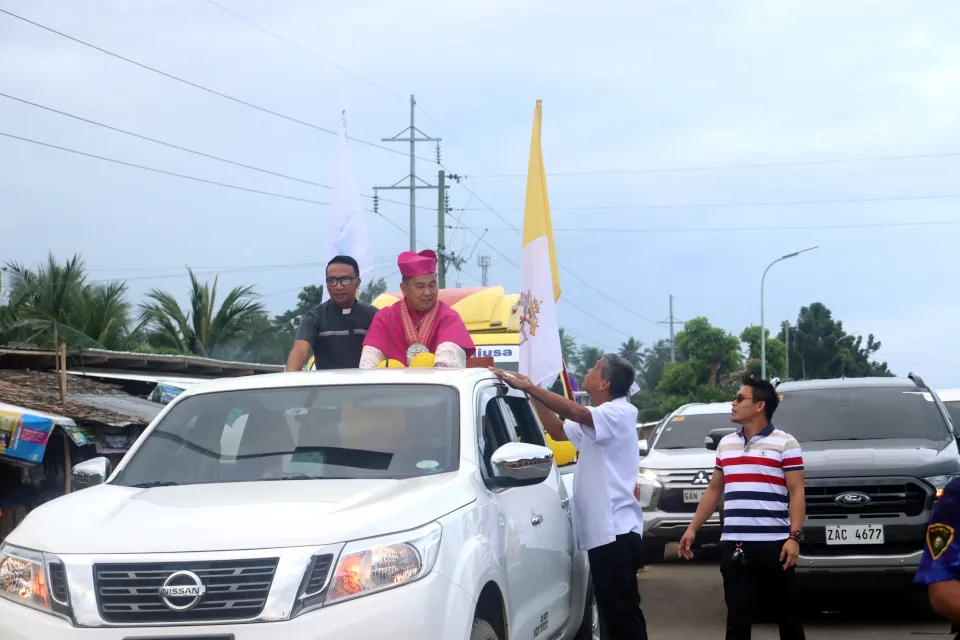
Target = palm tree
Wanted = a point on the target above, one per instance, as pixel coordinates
(587, 357)
(568, 346)
(373, 289)
(105, 313)
(204, 329)
(54, 304)
(631, 351)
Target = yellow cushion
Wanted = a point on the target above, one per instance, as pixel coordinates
(393, 364)
(423, 360)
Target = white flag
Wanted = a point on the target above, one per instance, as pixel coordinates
(541, 357)
(347, 231)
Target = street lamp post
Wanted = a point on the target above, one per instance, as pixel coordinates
(763, 331)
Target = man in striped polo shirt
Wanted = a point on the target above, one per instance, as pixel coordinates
(759, 476)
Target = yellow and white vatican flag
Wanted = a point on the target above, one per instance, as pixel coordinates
(541, 357)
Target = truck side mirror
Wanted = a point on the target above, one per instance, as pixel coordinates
(644, 448)
(712, 441)
(89, 473)
(518, 464)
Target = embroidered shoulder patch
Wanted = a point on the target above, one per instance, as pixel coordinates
(939, 537)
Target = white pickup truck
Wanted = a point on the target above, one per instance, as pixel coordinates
(404, 504)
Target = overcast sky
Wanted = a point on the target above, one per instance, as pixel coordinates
(626, 86)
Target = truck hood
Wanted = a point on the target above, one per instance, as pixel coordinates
(901, 457)
(241, 515)
(839, 458)
(670, 459)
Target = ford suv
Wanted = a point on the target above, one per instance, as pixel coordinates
(877, 454)
(404, 503)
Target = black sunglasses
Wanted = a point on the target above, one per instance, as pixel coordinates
(741, 398)
(344, 281)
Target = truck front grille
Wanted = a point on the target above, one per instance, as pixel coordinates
(674, 482)
(906, 498)
(234, 590)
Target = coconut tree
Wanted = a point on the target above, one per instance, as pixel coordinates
(53, 303)
(203, 329)
(632, 352)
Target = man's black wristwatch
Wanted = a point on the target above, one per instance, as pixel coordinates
(797, 535)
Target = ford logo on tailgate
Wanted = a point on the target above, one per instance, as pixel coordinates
(182, 590)
(852, 499)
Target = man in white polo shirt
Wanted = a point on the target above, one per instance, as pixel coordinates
(608, 519)
(759, 474)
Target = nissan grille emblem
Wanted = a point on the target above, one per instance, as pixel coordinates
(701, 478)
(852, 499)
(182, 590)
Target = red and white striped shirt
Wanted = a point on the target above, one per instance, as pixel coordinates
(756, 504)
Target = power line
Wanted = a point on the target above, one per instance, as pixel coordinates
(303, 49)
(195, 152)
(161, 142)
(194, 178)
(162, 171)
(349, 72)
(200, 86)
(733, 205)
(867, 225)
(722, 167)
(572, 273)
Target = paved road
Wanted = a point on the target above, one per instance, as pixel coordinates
(684, 600)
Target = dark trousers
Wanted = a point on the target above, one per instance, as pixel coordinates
(761, 579)
(613, 568)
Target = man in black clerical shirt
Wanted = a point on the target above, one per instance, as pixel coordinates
(334, 330)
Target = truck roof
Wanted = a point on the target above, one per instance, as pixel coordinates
(841, 383)
(450, 377)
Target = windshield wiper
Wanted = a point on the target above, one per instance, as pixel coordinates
(298, 476)
(156, 483)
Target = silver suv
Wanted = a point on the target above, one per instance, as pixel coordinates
(674, 474)
(877, 454)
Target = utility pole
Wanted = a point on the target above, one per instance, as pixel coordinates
(441, 229)
(484, 263)
(673, 341)
(412, 179)
(786, 340)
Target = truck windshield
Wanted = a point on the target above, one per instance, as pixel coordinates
(860, 413)
(689, 432)
(360, 431)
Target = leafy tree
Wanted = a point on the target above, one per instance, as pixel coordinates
(712, 346)
(776, 353)
(204, 329)
(820, 348)
(632, 352)
(373, 289)
(709, 360)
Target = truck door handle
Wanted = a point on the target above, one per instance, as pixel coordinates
(536, 519)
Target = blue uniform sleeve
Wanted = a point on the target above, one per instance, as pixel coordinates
(941, 548)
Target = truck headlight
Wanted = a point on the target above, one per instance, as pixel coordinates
(369, 566)
(25, 578)
(648, 488)
(940, 482)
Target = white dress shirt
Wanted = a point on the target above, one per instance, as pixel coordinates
(606, 475)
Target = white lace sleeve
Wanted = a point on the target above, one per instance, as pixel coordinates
(451, 355)
(370, 357)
